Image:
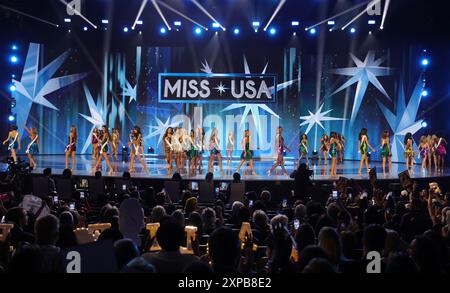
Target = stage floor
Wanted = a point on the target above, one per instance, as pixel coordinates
(157, 167)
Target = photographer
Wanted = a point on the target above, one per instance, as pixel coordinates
(303, 183)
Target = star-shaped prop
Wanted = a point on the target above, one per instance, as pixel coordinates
(364, 73)
(404, 120)
(130, 91)
(98, 115)
(36, 84)
(317, 118)
(161, 128)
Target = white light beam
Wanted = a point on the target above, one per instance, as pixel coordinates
(161, 14)
(361, 13)
(28, 15)
(386, 7)
(144, 2)
(180, 14)
(76, 12)
(208, 14)
(280, 5)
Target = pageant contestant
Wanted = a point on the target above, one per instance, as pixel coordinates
(192, 153)
(247, 153)
(104, 142)
(281, 147)
(214, 148)
(324, 147)
(386, 152)
(363, 149)
(168, 149)
(303, 148)
(341, 148)
(186, 145)
(334, 148)
(71, 148)
(136, 141)
(441, 152)
(177, 148)
(95, 143)
(13, 141)
(424, 149)
(33, 146)
(200, 142)
(409, 152)
(431, 153)
(115, 143)
(230, 148)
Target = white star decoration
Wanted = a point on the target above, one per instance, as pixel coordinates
(98, 115)
(35, 84)
(221, 88)
(161, 128)
(317, 118)
(404, 120)
(364, 73)
(206, 68)
(130, 91)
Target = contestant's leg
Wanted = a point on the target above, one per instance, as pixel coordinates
(67, 159)
(252, 167)
(132, 155)
(282, 167)
(219, 157)
(366, 161)
(144, 165)
(105, 155)
(73, 161)
(361, 164)
(390, 165)
(383, 165)
(239, 166)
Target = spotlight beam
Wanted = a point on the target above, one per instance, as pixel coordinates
(144, 2)
(180, 14)
(339, 14)
(360, 14)
(280, 5)
(207, 13)
(386, 7)
(161, 14)
(78, 13)
(28, 15)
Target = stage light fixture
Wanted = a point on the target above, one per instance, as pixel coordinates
(256, 24)
(371, 22)
(425, 93)
(331, 22)
(125, 29)
(177, 23)
(85, 28)
(425, 62)
(198, 31)
(215, 25)
(14, 47)
(272, 31)
(352, 30)
(294, 33)
(295, 23)
(67, 20)
(12, 88)
(236, 31)
(140, 22)
(163, 30)
(312, 31)
(11, 118)
(105, 21)
(424, 124)
(13, 59)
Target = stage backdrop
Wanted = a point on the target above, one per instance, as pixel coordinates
(231, 88)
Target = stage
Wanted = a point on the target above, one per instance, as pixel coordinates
(157, 167)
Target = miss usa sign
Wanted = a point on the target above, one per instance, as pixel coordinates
(216, 88)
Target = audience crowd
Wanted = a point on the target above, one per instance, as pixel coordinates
(409, 231)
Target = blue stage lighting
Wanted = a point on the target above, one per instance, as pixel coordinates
(256, 24)
(198, 31)
(424, 124)
(85, 28)
(371, 21)
(177, 23)
(425, 62)
(295, 23)
(272, 31)
(331, 22)
(11, 118)
(12, 88)
(425, 93)
(163, 30)
(352, 30)
(125, 29)
(312, 31)
(236, 31)
(14, 47)
(13, 59)
(216, 25)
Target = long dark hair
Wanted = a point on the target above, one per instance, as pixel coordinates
(408, 136)
(362, 132)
